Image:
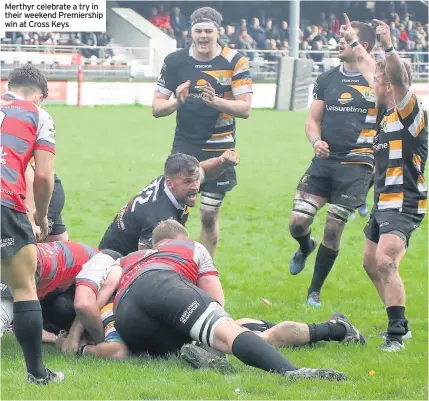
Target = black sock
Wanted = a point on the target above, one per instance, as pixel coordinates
(253, 351)
(27, 325)
(305, 242)
(398, 324)
(324, 261)
(326, 332)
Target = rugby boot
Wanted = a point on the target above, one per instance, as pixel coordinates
(51, 377)
(297, 263)
(307, 373)
(352, 333)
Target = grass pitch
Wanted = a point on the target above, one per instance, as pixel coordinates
(106, 154)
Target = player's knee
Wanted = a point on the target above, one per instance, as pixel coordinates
(302, 216)
(332, 233)
(209, 219)
(210, 205)
(386, 266)
(204, 328)
(339, 213)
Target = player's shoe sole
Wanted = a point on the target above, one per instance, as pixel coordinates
(199, 358)
(51, 377)
(297, 263)
(325, 374)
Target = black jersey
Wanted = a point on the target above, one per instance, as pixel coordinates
(348, 124)
(134, 223)
(201, 127)
(401, 151)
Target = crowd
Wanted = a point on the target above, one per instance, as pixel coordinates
(319, 34)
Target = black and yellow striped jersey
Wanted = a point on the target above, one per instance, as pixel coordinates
(199, 125)
(401, 150)
(349, 118)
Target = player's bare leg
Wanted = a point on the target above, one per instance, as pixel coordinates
(289, 334)
(305, 207)
(370, 266)
(328, 250)
(390, 251)
(209, 212)
(18, 272)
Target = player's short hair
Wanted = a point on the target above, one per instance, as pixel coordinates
(381, 66)
(113, 254)
(28, 78)
(58, 311)
(366, 34)
(168, 229)
(180, 163)
(206, 13)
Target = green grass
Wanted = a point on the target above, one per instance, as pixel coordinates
(106, 154)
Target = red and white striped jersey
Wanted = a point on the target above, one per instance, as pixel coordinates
(25, 127)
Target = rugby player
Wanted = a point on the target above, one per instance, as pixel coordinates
(212, 86)
(26, 130)
(61, 265)
(283, 334)
(57, 230)
(172, 295)
(168, 196)
(340, 127)
(400, 191)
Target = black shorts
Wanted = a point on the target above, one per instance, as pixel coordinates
(340, 184)
(222, 184)
(158, 311)
(56, 225)
(16, 232)
(109, 241)
(386, 221)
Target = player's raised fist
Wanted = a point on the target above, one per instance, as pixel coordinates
(383, 32)
(230, 157)
(182, 92)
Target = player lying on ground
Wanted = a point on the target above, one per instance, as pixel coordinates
(61, 265)
(168, 196)
(400, 192)
(172, 294)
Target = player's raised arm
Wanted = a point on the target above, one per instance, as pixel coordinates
(365, 62)
(215, 167)
(395, 69)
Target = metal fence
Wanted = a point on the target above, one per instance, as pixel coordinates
(119, 62)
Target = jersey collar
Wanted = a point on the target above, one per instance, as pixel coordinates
(172, 198)
(347, 73)
(14, 95)
(191, 53)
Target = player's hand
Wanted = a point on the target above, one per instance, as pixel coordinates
(347, 31)
(321, 149)
(229, 157)
(36, 231)
(209, 95)
(383, 31)
(69, 346)
(43, 224)
(182, 92)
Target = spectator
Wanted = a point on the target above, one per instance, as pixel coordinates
(257, 33)
(283, 32)
(224, 40)
(404, 39)
(165, 21)
(246, 42)
(318, 57)
(334, 24)
(178, 22)
(394, 31)
(155, 18)
(412, 31)
(304, 46)
(184, 41)
(232, 35)
(271, 32)
(324, 21)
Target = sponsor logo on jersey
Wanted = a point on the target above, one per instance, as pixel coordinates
(349, 80)
(366, 92)
(7, 242)
(189, 311)
(2, 155)
(345, 98)
(304, 179)
(381, 146)
(347, 109)
(203, 66)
